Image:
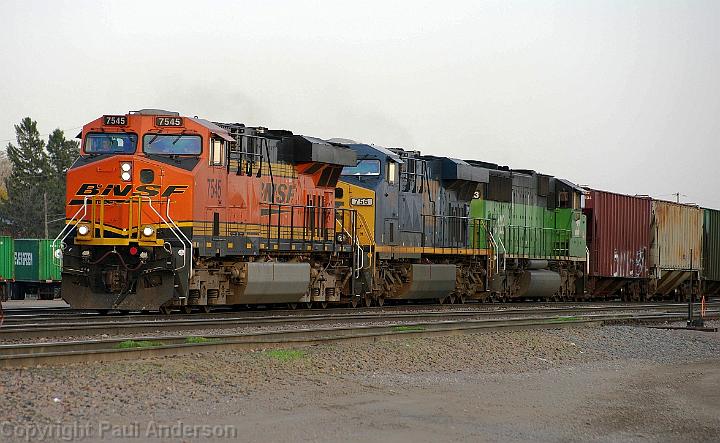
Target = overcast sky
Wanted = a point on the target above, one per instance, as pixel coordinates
(620, 95)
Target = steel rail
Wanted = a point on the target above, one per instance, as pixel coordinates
(132, 325)
(47, 312)
(32, 354)
(38, 314)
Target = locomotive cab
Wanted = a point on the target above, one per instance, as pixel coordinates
(130, 208)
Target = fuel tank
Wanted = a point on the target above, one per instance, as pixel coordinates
(428, 281)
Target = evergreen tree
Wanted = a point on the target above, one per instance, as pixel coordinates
(36, 171)
(61, 155)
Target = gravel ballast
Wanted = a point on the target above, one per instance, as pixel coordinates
(547, 385)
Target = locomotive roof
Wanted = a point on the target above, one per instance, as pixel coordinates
(393, 156)
(571, 185)
(215, 129)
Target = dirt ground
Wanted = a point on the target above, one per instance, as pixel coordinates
(599, 384)
(628, 403)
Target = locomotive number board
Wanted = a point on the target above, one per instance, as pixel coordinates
(115, 120)
(361, 201)
(168, 121)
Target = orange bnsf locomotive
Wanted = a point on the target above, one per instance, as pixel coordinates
(169, 212)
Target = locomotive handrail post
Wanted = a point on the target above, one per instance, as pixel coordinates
(497, 242)
(167, 213)
(278, 224)
(71, 226)
(269, 221)
(352, 244)
(173, 230)
(292, 225)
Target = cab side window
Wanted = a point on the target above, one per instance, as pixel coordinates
(217, 152)
(392, 173)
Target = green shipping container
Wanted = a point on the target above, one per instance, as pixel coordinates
(34, 261)
(7, 259)
(711, 245)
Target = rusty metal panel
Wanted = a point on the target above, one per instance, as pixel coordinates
(711, 245)
(618, 234)
(676, 236)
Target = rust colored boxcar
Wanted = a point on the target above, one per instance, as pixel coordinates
(618, 236)
(675, 245)
(711, 252)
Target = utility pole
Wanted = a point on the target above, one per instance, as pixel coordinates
(677, 197)
(46, 220)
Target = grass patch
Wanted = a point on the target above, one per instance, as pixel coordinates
(284, 354)
(563, 318)
(192, 339)
(406, 328)
(129, 344)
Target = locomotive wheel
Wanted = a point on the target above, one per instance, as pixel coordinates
(452, 299)
(205, 309)
(441, 300)
(165, 310)
(308, 305)
(460, 299)
(103, 311)
(354, 301)
(187, 309)
(380, 301)
(292, 306)
(321, 304)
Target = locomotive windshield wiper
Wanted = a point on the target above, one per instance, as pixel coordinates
(154, 137)
(178, 137)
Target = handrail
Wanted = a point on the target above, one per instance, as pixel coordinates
(495, 242)
(321, 215)
(523, 239)
(57, 257)
(359, 251)
(371, 236)
(173, 230)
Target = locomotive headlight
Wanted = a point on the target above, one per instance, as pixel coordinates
(148, 231)
(83, 230)
(125, 176)
(126, 167)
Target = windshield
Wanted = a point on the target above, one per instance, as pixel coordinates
(363, 167)
(110, 143)
(173, 144)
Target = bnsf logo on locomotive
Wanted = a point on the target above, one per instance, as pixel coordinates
(283, 193)
(127, 190)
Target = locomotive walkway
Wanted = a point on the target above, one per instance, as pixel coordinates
(295, 330)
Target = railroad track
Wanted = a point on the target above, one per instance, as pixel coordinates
(89, 325)
(16, 315)
(112, 349)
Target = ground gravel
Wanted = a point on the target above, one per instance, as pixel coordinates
(315, 386)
